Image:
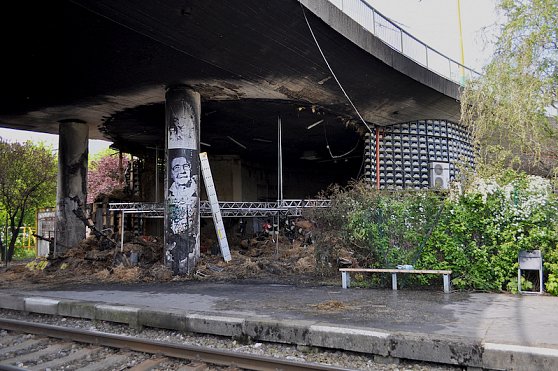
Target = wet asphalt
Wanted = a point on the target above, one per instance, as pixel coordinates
(528, 320)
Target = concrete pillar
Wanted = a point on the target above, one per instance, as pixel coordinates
(71, 189)
(182, 179)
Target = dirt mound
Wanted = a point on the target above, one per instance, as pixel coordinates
(289, 259)
(261, 259)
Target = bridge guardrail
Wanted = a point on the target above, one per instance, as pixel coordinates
(405, 43)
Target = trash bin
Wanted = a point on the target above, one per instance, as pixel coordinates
(530, 260)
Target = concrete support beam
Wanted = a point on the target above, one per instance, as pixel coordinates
(72, 182)
(182, 203)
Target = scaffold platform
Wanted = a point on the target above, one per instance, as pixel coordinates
(229, 209)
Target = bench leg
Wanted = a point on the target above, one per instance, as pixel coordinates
(394, 281)
(446, 283)
(345, 280)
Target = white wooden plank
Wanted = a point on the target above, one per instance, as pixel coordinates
(214, 204)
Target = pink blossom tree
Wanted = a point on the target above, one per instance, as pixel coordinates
(105, 176)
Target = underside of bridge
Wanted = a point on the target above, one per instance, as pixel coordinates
(107, 63)
(247, 130)
(254, 63)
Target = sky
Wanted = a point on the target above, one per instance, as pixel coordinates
(95, 146)
(435, 22)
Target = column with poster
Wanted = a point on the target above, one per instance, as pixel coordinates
(182, 217)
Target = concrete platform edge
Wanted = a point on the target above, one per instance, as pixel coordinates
(422, 347)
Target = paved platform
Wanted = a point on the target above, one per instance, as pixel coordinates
(477, 330)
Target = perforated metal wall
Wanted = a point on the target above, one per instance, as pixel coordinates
(406, 152)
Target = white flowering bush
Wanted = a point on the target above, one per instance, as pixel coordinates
(484, 228)
(526, 193)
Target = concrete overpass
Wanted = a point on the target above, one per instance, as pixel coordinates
(103, 68)
(107, 63)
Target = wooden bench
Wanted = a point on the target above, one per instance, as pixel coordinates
(346, 278)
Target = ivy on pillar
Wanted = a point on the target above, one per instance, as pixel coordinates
(182, 203)
(71, 189)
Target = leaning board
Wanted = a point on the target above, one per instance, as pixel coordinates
(214, 204)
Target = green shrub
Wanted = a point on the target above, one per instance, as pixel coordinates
(489, 225)
(23, 253)
(526, 285)
(551, 268)
(477, 235)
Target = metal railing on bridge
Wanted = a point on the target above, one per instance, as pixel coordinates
(405, 43)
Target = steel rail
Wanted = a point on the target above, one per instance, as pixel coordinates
(181, 351)
(12, 368)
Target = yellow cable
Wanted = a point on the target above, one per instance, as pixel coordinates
(461, 42)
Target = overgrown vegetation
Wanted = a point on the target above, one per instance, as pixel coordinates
(27, 182)
(511, 109)
(21, 253)
(477, 234)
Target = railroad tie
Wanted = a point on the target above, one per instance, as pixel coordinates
(35, 356)
(58, 362)
(108, 363)
(149, 364)
(20, 346)
(194, 366)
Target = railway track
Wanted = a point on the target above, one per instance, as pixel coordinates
(36, 346)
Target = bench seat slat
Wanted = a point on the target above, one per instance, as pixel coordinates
(346, 277)
(375, 270)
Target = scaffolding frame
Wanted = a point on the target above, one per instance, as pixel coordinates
(229, 209)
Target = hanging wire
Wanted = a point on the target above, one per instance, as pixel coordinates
(338, 156)
(361, 168)
(331, 70)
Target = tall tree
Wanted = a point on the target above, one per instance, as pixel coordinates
(512, 107)
(27, 181)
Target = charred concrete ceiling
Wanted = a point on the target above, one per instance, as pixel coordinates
(107, 63)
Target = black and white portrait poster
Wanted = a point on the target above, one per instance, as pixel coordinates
(182, 194)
